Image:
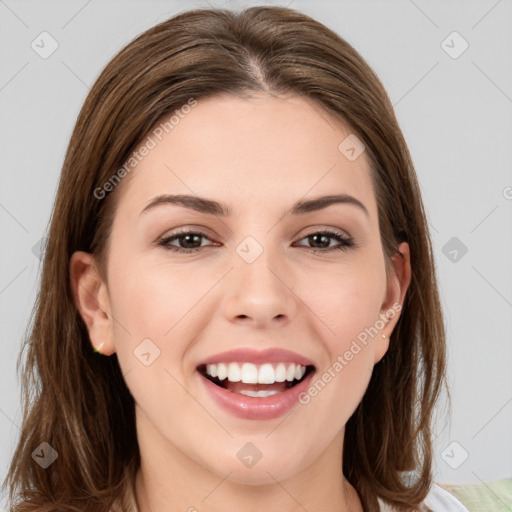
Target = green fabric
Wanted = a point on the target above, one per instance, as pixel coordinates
(483, 497)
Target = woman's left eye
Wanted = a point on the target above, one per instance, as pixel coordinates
(323, 237)
(187, 239)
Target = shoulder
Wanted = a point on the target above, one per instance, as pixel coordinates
(437, 500)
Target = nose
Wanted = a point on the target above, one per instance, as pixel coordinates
(259, 294)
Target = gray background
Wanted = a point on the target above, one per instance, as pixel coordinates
(456, 117)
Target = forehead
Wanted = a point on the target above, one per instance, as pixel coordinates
(262, 148)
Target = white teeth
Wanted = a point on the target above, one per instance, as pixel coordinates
(280, 372)
(250, 373)
(258, 394)
(234, 373)
(211, 369)
(266, 374)
(222, 371)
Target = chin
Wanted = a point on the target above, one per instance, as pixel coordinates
(264, 471)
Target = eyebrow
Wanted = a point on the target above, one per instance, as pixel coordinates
(211, 207)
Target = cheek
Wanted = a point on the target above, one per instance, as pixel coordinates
(348, 306)
(150, 309)
(151, 299)
(347, 301)
(150, 305)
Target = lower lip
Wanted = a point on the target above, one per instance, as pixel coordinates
(257, 408)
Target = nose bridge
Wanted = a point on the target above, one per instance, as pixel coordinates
(258, 285)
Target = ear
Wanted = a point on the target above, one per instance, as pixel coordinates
(91, 299)
(396, 288)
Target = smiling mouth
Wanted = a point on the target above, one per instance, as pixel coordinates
(254, 389)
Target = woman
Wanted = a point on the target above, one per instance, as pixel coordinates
(235, 363)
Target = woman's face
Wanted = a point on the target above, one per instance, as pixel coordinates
(262, 277)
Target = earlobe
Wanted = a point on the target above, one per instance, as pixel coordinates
(91, 299)
(381, 347)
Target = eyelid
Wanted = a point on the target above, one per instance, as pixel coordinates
(319, 229)
(189, 228)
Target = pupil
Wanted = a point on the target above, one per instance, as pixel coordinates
(325, 239)
(187, 239)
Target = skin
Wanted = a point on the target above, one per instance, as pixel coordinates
(258, 156)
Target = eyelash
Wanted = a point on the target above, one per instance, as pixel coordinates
(346, 242)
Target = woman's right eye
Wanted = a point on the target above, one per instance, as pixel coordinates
(188, 237)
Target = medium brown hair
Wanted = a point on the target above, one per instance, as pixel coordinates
(76, 399)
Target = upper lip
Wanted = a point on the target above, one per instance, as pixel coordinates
(250, 355)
